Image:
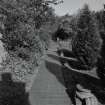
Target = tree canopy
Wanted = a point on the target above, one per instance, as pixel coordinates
(22, 20)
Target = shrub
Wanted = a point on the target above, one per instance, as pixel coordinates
(12, 92)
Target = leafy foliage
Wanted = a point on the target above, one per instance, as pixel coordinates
(22, 19)
(87, 43)
(64, 31)
(100, 16)
(23, 35)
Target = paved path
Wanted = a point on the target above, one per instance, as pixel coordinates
(48, 87)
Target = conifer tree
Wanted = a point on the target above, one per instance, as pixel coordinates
(87, 43)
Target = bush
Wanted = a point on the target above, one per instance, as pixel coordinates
(12, 93)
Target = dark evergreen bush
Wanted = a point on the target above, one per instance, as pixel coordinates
(100, 16)
(87, 43)
(12, 93)
(61, 34)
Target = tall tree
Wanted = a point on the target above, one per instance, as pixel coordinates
(87, 43)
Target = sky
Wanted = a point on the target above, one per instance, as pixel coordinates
(72, 6)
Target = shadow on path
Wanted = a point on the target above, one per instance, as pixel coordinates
(55, 69)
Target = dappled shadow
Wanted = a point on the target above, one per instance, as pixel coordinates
(55, 69)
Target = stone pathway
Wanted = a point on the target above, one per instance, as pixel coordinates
(48, 87)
